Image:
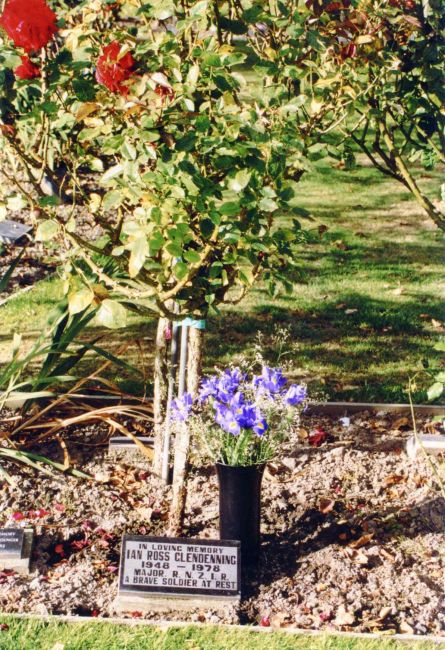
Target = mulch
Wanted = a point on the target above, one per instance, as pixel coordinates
(352, 533)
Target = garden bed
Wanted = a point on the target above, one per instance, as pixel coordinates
(353, 531)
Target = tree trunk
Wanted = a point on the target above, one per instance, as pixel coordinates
(160, 392)
(183, 439)
(194, 366)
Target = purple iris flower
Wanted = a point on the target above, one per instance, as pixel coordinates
(209, 388)
(260, 427)
(221, 387)
(226, 420)
(247, 416)
(228, 384)
(237, 402)
(181, 407)
(295, 394)
(270, 380)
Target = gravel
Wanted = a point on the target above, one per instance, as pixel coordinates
(353, 532)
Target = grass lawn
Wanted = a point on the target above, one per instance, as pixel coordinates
(369, 294)
(35, 635)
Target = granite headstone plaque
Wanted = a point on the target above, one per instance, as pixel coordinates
(11, 232)
(11, 542)
(15, 549)
(175, 573)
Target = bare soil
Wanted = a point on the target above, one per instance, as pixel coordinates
(353, 531)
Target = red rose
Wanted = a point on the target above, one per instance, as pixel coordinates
(27, 70)
(31, 24)
(113, 71)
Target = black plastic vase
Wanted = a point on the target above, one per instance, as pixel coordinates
(240, 506)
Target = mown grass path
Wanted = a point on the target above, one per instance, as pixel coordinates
(37, 635)
(368, 302)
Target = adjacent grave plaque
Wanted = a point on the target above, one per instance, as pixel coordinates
(11, 232)
(123, 448)
(158, 573)
(15, 549)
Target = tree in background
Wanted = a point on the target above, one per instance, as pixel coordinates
(391, 67)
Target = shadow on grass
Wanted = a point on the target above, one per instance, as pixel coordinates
(372, 343)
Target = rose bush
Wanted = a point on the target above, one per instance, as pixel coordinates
(183, 129)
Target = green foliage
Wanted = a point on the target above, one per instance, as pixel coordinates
(187, 169)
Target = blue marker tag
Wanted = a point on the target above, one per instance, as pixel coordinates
(191, 322)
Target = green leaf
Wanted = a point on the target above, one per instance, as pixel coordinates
(435, 391)
(240, 180)
(49, 201)
(84, 90)
(139, 253)
(129, 151)
(199, 9)
(268, 205)
(112, 199)
(111, 173)
(174, 249)
(80, 300)
(180, 270)
(192, 256)
(206, 227)
(230, 209)
(111, 314)
(47, 230)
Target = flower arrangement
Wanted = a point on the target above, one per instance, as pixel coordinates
(242, 420)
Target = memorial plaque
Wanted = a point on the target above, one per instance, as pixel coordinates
(11, 542)
(15, 549)
(166, 572)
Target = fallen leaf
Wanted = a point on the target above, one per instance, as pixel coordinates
(361, 541)
(59, 549)
(344, 617)
(318, 437)
(401, 423)
(326, 505)
(351, 311)
(394, 479)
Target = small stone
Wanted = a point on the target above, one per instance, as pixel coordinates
(384, 612)
(344, 617)
(405, 628)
